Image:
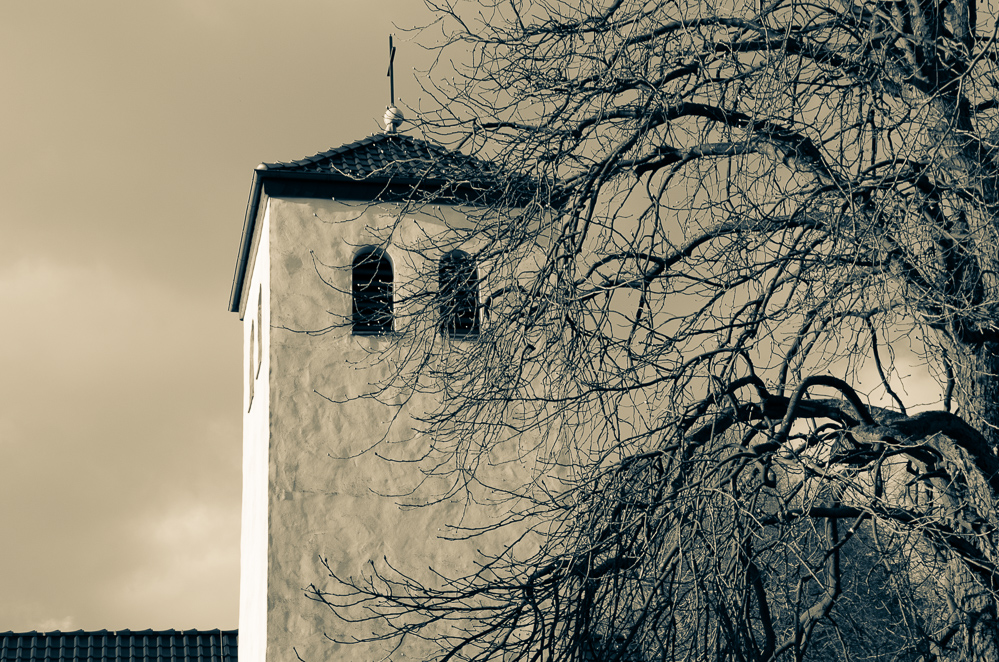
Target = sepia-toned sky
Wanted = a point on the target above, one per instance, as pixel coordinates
(128, 135)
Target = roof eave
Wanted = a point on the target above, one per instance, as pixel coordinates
(262, 175)
(249, 221)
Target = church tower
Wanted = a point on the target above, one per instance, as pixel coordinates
(317, 287)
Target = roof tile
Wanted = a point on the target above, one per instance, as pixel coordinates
(120, 646)
(395, 157)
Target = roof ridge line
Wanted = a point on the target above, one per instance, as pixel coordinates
(393, 156)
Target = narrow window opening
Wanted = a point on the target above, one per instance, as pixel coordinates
(251, 355)
(372, 293)
(459, 295)
(260, 332)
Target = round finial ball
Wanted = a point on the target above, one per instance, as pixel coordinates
(393, 119)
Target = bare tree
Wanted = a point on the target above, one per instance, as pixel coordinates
(718, 207)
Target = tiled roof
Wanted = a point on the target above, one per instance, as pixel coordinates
(387, 167)
(395, 157)
(120, 646)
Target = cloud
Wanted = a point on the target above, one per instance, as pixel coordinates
(187, 553)
(52, 624)
(119, 415)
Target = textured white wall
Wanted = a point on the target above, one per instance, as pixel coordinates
(253, 531)
(322, 494)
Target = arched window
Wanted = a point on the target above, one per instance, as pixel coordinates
(459, 295)
(371, 277)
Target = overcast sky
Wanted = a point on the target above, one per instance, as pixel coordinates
(128, 135)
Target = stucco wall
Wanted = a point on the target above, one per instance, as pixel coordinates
(322, 490)
(253, 531)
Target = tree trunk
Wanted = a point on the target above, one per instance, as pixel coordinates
(971, 619)
(976, 375)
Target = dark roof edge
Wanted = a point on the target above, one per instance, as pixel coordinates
(114, 633)
(384, 184)
(249, 221)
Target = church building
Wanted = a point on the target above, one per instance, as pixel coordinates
(320, 287)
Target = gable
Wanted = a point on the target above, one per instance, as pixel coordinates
(381, 167)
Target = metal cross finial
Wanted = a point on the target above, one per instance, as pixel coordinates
(391, 71)
(393, 118)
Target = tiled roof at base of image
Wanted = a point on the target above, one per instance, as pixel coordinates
(398, 158)
(120, 646)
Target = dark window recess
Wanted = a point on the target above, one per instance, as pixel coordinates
(459, 295)
(372, 293)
